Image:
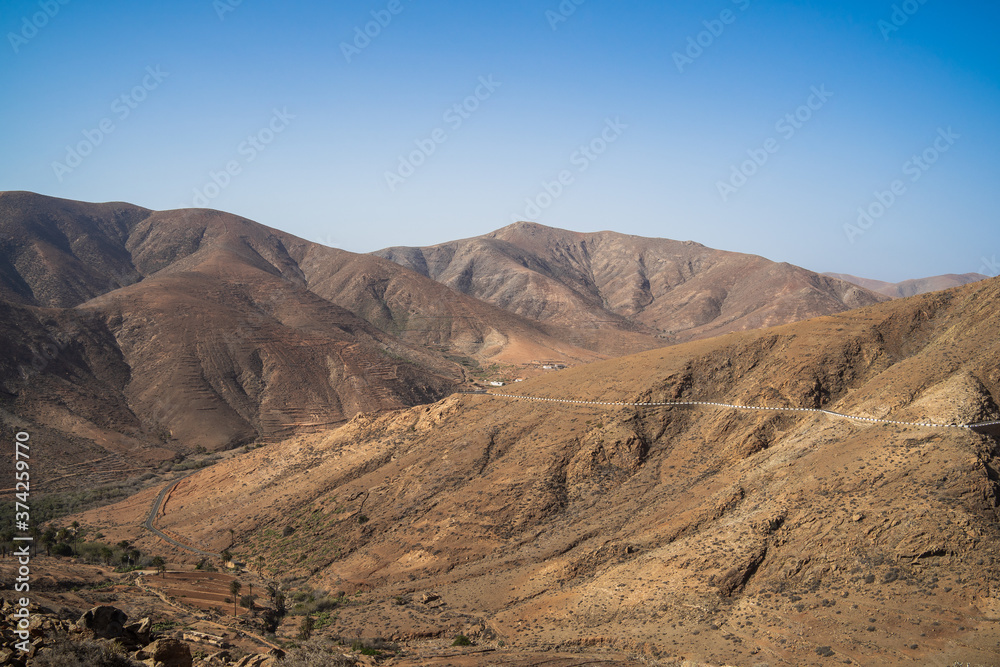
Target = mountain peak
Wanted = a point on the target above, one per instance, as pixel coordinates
(526, 230)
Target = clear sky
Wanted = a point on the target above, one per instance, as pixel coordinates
(759, 126)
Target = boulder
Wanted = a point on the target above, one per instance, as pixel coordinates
(140, 632)
(222, 657)
(104, 622)
(167, 652)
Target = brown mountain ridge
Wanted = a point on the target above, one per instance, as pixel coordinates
(137, 336)
(672, 290)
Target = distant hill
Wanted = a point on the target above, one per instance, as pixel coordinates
(673, 290)
(911, 287)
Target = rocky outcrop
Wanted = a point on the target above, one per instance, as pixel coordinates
(166, 652)
(104, 622)
(101, 630)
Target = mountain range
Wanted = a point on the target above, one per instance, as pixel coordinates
(737, 462)
(913, 286)
(139, 336)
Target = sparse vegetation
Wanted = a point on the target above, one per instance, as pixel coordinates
(373, 647)
(84, 653)
(164, 627)
(315, 654)
(306, 628)
(53, 506)
(315, 602)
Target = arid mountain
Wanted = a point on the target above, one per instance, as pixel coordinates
(145, 334)
(911, 287)
(711, 534)
(132, 335)
(673, 290)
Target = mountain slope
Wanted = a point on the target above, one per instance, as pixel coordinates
(59, 253)
(720, 536)
(673, 290)
(136, 336)
(911, 287)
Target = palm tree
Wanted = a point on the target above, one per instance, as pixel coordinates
(48, 539)
(227, 556)
(106, 554)
(160, 565)
(234, 587)
(260, 565)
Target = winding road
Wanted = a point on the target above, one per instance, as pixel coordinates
(155, 509)
(830, 413)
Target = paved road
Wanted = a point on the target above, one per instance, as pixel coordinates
(159, 533)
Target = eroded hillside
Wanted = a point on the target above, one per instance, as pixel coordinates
(727, 537)
(134, 338)
(671, 290)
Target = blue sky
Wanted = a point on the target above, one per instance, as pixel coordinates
(651, 118)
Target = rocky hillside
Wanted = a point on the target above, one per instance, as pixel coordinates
(672, 290)
(714, 535)
(133, 336)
